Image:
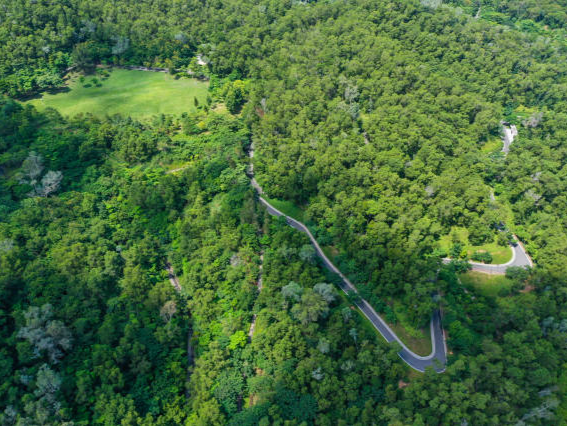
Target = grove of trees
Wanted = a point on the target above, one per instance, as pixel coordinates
(378, 121)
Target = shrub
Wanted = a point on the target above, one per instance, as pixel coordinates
(482, 256)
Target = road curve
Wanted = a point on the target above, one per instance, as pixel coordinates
(519, 258)
(438, 357)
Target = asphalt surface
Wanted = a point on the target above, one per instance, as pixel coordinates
(519, 258)
(438, 357)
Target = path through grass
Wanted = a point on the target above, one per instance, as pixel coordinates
(134, 93)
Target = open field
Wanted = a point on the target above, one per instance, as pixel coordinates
(133, 93)
(418, 340)
(488, 285)
(287, 207)
(499, 253)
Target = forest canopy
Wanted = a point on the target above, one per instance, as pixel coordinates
(142, 282)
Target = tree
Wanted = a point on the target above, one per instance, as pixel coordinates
(168, 310)
(311, 308)
(49, 183)
(292, 291)
(308, 254)
(326, 291)
(227, 389)
(32, 167)
(44, 334)
(237, 340)
(517, 273)
(83, 57)
(235, 96)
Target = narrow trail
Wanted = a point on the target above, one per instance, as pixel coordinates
(172, 277)
(259, 286)
(438, 357)
(190, 353)
(176, 170)
(519, 255)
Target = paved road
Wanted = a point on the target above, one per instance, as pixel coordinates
(438, 357)
(519, 258)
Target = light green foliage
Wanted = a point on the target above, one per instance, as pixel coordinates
(133, 93)
(379, 122)
(237, 340)
(500, 253)
(490, 285)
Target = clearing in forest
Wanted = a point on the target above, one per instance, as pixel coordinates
(500, 254)
(134, 93)
(487, 285)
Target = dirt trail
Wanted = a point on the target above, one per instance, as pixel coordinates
(259, 286)
(190, 353)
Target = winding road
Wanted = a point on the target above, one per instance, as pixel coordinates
(438, 357)
(519, 258)
(519, 255)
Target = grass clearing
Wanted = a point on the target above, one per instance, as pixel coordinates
(134, 93)
(418, 340)
(499, 253)
(287, 208)
(486, 284)
(492, 145)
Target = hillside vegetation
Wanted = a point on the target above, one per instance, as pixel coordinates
(376, 123)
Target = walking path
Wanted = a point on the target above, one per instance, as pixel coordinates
(259, 286)
(190, 353)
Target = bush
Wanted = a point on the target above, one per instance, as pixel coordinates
(517, 273)
(439, 252)
(482, 256)
(480, 233)
(502, 239)
(390, 315)
(456, 250)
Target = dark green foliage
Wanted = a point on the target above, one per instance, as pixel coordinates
(372, 118)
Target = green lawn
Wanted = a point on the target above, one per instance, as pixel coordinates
(287, 207)
(493, 144)
(499, 253)
(419, 341)
(488, 285)
(134, 93)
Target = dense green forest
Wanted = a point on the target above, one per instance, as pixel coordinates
(378, 122)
